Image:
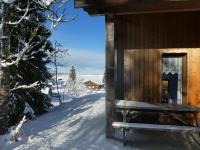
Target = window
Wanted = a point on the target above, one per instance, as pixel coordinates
(172, 78)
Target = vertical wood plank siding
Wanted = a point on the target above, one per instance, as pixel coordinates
(144, 38)
(194, 80)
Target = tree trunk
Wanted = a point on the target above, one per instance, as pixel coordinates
(3, 75)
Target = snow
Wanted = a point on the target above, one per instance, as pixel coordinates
(46, 3)
(8, 1)
(28, 109)
(80, 125)
(16, 133)
(76, 125)
(46, 90)
(97, 78)
(67, 92)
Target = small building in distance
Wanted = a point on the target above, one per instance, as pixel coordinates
(93, 86)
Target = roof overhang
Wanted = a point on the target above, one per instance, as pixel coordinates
(120, 7)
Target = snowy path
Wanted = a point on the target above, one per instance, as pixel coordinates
(78, 125)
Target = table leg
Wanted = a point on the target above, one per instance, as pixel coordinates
(196, 119)
(124, 137)
(124, 113)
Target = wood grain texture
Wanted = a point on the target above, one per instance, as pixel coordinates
(194, 77)
(110, 78)
(145, 38)
(156, 127)
(121, 7)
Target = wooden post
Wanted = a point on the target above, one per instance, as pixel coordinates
(119, 60)
(110, 74)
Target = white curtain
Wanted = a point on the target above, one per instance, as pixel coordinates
(174, 65)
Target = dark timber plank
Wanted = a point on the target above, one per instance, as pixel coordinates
(99, 7)
(155, 127)
(110, 74)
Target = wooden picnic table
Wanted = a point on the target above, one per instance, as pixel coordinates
(126, 106)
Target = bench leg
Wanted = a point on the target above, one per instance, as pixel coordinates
(196, 119)
(124, 137)
(124, 112)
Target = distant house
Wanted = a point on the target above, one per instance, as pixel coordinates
(93, 86)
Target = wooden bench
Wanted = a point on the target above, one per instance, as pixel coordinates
(156, 127)
(153, 127)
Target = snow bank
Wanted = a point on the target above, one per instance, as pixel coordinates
(3, 140)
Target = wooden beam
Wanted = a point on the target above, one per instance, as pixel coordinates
(110, 75)
(119, 61)
(103, 3)
(121, 7)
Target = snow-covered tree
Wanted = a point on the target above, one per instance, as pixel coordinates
(59, 52)
(72, 74)
(29, 46)
(26, 54)
(74, 87)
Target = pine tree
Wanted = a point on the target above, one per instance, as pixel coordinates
(32, 68)
(71, 85)
(72, 74)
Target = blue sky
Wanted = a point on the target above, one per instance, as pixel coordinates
(85, 39)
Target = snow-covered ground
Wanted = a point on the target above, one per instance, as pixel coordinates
(79, 124)
(81, 89)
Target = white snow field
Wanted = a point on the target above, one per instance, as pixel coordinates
(80, 125)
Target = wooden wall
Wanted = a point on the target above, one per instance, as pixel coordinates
(194, 77)
(142, 75)
(143, 38)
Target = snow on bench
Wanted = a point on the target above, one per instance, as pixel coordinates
(156, 127)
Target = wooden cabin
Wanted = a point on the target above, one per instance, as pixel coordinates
(152, 46)
(92, 85)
